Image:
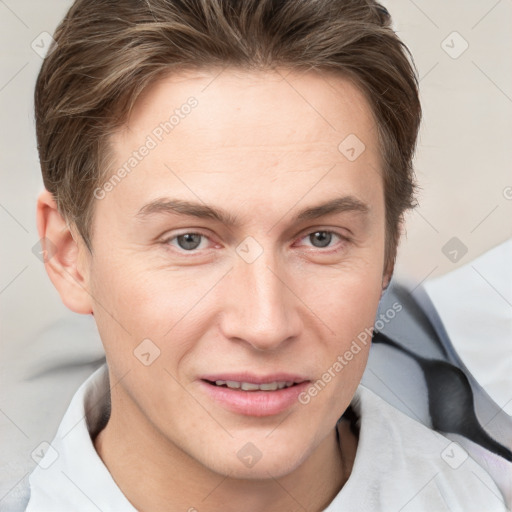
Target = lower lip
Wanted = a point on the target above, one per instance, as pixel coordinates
(254, 403)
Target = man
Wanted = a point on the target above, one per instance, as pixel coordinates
(225, 187)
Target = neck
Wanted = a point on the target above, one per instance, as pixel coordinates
(156, 475)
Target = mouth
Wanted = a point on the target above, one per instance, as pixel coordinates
(253, 396)
(250, 386)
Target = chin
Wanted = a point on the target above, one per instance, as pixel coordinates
(249, 462)
(263, 469)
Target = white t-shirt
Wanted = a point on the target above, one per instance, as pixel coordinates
(400, 464)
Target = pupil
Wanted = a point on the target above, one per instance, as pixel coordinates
(189, 241)
(323, 237)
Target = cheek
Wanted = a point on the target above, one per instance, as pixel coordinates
(351, 315)
(345, 298)
(134, 303)
(358, 302)
(348, 307)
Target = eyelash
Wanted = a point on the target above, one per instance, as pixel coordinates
(167, 241)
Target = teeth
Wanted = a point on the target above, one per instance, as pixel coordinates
(249, 386)
(270, 386)
(246, 386)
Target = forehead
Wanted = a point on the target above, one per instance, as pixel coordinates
(261, 128)
(260, 108)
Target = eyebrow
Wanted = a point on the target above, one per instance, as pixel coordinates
(202, 211)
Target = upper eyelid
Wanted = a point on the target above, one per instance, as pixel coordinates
(167, 238)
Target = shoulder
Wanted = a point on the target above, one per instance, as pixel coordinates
(71, 475)
(403, 465)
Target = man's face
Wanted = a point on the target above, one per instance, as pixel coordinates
(270, 292)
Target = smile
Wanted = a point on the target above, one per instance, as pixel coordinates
(249, 386)
(254, 396)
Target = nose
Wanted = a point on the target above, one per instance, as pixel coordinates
(261, 309)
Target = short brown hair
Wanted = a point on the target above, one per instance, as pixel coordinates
(107, 52)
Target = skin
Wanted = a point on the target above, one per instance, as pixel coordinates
(263, 146)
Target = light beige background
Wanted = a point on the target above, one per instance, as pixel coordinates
(463, 166)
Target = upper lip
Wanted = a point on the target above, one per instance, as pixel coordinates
(255, 379)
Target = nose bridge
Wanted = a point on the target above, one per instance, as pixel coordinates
(262, 309)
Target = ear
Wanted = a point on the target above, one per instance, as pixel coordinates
(388, 273)
(390, 264)
(65, 259)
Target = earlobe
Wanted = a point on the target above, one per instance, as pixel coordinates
(64, 256)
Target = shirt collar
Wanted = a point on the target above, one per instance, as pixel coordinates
(71, 475)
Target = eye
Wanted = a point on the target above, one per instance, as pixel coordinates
(192, 241)
(322, 239)
(187, 241)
